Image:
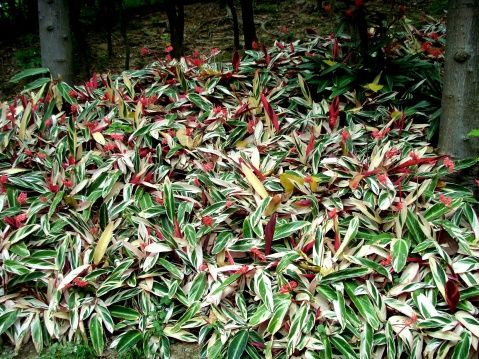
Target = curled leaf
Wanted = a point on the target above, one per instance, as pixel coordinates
(269, 233)
(375, 86)
(288, 180)
(272, 116)
(99, 138)
(254, 181)
(236, 61)
(103, 243)
(452, 294)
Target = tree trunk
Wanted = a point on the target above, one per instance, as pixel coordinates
(249, 29)
(231, 5)
(124, 33)
(55, 37)
(107, 15)
(460, 97)
(175, 11)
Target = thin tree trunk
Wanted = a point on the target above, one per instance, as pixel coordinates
(460, 98)
(234, 17)
(124, 34)
(180, 31)
(107, 11)
(176, 20)
(55, 37)
(249, 29)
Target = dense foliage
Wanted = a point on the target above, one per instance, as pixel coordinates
(285, 205)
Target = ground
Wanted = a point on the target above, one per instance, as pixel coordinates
(206, 26)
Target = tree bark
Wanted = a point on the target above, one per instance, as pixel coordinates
(55, 37)
(234, 18)
(175, 11)
(249, 29)
(124, 33)
(460, 98)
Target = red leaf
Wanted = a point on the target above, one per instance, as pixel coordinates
(452, 294)
(308, 247)
(269, 234)
(236, 61)
(267, 58)
(269, 111)
(310, 146)
(337, 241)
(177, 229)
(335, 48)
(10, 221)
(258, 173)
(333, 112)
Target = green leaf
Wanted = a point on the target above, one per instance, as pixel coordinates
(436, 211)
(400, 253)
(96, 335)
(190, 313)
(281, 308)
(23, 232)
(414, 227)
(7, 319)
(200, 101)
(169, 200)
(198, 287)
(439, 276)
(237, 345)
(297, 325)
(343, 347)
(29, 73)
(232, 278)
(474, 133)
(390, 341)
(461, 349)
(347, 273)
(366, 346)
(327, 353)
(286, 229)
(469, 322)
(263, 288)
(260, 315)
(363, 305)
(36, 84)
(349, 236)
(378, 268)
(121, 312)
(128, 341)
(37, 333)
(56, 201)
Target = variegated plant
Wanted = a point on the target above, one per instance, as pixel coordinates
(272, 208)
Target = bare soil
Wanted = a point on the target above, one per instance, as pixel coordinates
(207, 26)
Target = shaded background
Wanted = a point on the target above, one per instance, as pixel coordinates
(208, 25)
